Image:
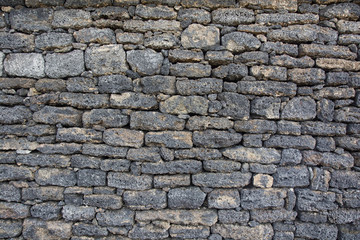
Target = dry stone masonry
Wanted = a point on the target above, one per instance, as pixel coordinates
(180, 119)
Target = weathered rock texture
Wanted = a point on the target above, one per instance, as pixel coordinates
(179, 119)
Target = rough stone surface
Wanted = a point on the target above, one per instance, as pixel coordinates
(145, 62)
(186, 197)
(61, 65)
(240, 42)
(107, 59)
(179, 119)
(199, 36)
(25, 65)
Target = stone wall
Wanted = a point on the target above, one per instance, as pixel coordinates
(179, 119)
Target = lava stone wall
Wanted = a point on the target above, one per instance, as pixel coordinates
(179, 119)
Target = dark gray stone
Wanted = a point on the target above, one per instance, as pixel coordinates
(233, 16)
(348, 142)
(349, 231)
(172, 167)
(67, 116)
(9, 192)
(219, 57)
(194, 15)
(316, 231)
(80, 135)
(118, 165)
(77, 213)
(13, 210)
(233, 231)
(157, 230)
(10, 172)
(315, 201)
(233, 216)
(84, 100)
(179, 231)
(37, 229)
(342, 11)
(123, 137)
(262, 198)
(266, 107)
(158, 84)
(82, 84)
(100, 150)
(144, 154)
(299, 108)
(240, 42)
(276, 215)
(43, 160)
(252, 58)
(17, 41)
(221, 166)
(253, 155)
(71, 18)
(54, 176)
(267, 88)
(103, 201)
(269, 72)
(83, 229)
(82, 161)
(347, 115)
(31, 20)
(312, 76)
(333, 160)
(325, 144)
(115, 84)
(53, 40)
(255, 126)
(145, 62)
(298, 142)
(345, 179)
(291, 62)
(323, 129)
(43, 193)
(10, 228)
(116, 218)
(171, 181)
(128, 181)
(221, 180)
(155, 121)
(293, 34)
(231, 72)
(17, 114)
(95, 35)
(198, 153)
(191, 70)
(105, 117)
(91, 177)
(104, 60)
(236, 105)
(202, 86)
(185, 105)
(186, 197)
(292, 177)
(291, 157)
(144, 200)
(46, 211)
(325, 110)
(280, 48)
(133, 101)
(215, 139)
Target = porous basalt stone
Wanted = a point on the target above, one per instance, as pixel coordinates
(179, 119)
